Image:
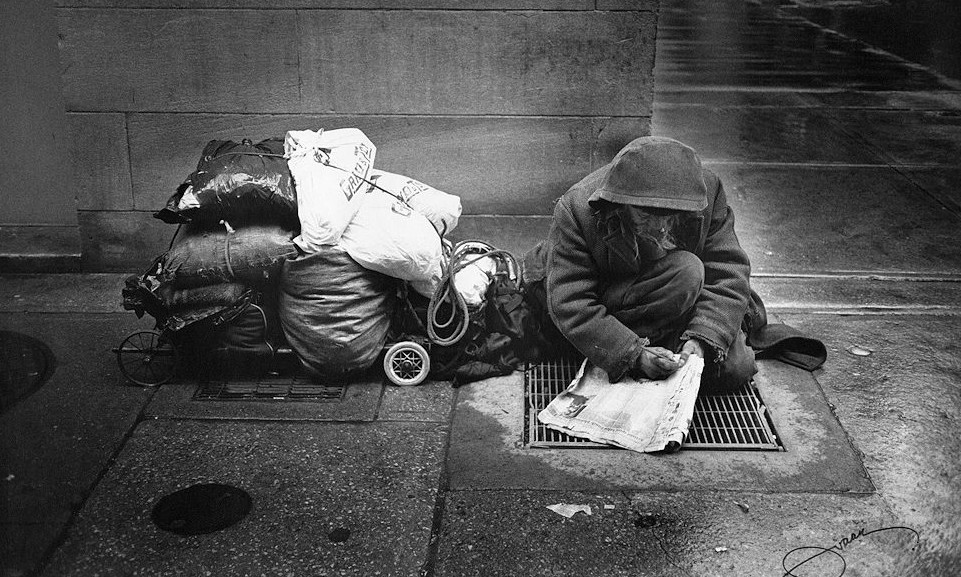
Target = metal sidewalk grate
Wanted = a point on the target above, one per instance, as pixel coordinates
(737, 420)
(269, 389)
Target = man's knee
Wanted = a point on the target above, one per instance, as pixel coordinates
(667, 290)
(687, 278)
(683, 279)
(736, 370)
(740, 369)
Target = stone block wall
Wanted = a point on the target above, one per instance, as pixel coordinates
(505, 103)
(38, 223)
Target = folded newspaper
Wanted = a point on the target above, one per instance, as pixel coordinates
(641, 415)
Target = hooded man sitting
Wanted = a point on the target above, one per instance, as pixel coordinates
(642, 261)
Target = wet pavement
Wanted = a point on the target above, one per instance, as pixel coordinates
(757, 46)
(840, 161)
(921, 32)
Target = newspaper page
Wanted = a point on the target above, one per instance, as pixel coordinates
(641, 415)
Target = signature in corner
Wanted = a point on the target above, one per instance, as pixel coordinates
(834, 550)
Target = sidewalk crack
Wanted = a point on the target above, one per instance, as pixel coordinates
(667, 554)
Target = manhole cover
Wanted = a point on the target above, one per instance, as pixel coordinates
(737, 420)
(200, 509)
(290, 388)
(25, 365)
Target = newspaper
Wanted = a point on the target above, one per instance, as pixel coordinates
(641, 415)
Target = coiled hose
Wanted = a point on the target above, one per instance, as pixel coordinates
(464, 253)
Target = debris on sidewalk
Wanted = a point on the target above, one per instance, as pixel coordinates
(744, 506)
(859, 351)
(568, 510)
(720, 549)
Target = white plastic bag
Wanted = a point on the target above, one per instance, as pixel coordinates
(388, 236)
(473, 280)
(440, 208)
(329, 169)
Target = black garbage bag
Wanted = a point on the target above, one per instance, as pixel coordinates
(211, 255)
(246, 347)
(501, 335)
(249, 332)
(236, 182)
(335, 313)
(145, 293)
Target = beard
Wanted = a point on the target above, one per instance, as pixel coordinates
(647, 232)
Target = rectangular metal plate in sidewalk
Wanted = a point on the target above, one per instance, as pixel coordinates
(737, 420)
(290, 388)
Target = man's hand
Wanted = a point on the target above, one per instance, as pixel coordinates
(655, 363)
(691, 347)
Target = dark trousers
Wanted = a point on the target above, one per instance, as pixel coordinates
(658, 304)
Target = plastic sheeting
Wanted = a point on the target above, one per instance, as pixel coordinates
(334, 312)
(237, 183)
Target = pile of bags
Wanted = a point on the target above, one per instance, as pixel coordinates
(297, 241)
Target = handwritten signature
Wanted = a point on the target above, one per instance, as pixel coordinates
(836, 549)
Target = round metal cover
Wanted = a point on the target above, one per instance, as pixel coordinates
(201, 509)
(25, 365)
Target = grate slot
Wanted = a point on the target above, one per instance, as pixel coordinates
(270, 388)
(736, 420)
(716, 422)
(751, 421)
(731, 414)
(744, 432)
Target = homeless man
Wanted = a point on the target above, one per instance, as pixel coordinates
(642, 261)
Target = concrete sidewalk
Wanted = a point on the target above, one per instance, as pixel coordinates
(840, 164)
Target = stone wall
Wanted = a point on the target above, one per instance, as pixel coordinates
(502, 102)
(38, 223)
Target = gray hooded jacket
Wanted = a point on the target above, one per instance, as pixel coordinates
(580, 259)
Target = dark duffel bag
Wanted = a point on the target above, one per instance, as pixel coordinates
(212, 255)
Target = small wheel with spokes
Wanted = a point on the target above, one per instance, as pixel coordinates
(406, 364)
(147, 358)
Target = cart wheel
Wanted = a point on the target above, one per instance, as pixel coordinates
(147, 358)
(406, 364)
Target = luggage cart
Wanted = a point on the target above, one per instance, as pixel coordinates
(150, 358)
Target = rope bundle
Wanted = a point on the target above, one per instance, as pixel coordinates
(463, 254)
